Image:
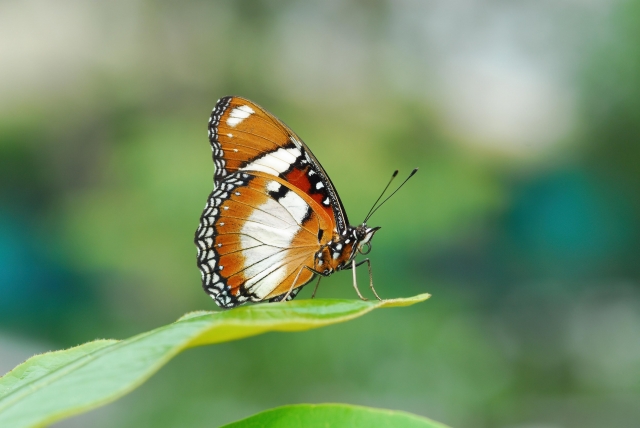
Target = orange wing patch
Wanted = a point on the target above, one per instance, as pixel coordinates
(244, 132)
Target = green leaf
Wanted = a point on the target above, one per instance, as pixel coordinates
(52, 386)
(334, 416)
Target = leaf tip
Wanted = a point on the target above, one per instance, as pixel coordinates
(405, 301)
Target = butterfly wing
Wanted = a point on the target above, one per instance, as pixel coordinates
(245, 137)
(256, 234)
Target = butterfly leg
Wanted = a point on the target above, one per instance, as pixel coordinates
(371, 278)
(316, 288)
(293, 290)
(293, 285)
(354, 266)
(355, 281)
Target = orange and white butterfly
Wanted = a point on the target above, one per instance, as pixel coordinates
(274, 220)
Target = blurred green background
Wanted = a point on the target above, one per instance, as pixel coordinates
(524, 118)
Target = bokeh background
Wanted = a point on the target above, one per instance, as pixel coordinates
(524, 118)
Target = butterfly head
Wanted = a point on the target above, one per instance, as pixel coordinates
(363, 234)
(338, 253)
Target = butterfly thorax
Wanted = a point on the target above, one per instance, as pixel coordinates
(338, 253)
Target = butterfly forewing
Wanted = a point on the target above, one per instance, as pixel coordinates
(245, 137)
(243, 133)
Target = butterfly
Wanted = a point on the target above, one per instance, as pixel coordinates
(274, 220)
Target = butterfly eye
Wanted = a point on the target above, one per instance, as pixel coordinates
(365, 248)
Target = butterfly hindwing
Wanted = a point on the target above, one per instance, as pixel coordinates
(255, 235)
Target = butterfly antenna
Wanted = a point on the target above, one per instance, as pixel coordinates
(394, 192)
(381, 194)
